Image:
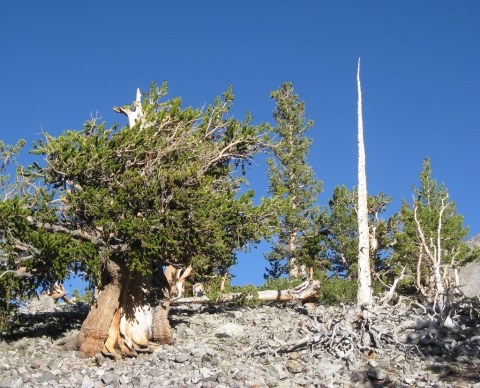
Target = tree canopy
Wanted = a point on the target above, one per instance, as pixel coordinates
(160, 192)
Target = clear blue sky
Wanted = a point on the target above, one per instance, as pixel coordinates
(62, 61)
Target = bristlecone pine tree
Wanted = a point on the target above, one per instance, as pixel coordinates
(119, 204)
(430, 241)
(292, 181)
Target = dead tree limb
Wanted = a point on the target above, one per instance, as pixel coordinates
(308, 290)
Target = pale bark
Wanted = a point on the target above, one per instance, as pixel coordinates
(136, 317)
(176, 277)
(292, 246)
(131, 311)
(308, 290)
(439, 281)
(59, 292)
(392, 290)
(18, 273)
(364, 276)
(433, 252)
(133, 115)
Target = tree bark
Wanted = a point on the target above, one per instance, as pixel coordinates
(130, 312)
(364, 295)
(161, 331)
(95, 329)
(436, 284)
(292, 246)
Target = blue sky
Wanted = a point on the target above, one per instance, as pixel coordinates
(62, 61)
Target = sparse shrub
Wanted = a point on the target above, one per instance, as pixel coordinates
(280, 284)
(337, 290)
(248, 294)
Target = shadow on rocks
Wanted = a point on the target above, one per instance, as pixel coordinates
(53, 324)
(452, 349)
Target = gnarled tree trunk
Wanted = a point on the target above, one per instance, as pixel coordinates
(95, 328)
(130, 312)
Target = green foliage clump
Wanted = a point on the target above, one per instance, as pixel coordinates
(86, 297)
(243, 295)
(213, 289)
(12, 285)
(337, 290)
(282, 283)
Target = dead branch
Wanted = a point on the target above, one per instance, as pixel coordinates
(308, 290)
(77, 233)
(59, 292)
(18, 273)
(391, 292)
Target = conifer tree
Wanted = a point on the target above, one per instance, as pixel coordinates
(121, 203)
(430, 240)
(341, 231)
(292, 181)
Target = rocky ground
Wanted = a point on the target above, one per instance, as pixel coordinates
(267, 346)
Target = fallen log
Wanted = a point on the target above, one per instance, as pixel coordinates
(306, 291)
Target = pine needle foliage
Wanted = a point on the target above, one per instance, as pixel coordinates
(166, 190)
(431, 235)
(293, 182)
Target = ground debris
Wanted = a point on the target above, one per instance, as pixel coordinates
(297, 344)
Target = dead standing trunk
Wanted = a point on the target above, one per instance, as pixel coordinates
(364, 276)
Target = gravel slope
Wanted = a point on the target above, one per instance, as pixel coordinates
(240, 347)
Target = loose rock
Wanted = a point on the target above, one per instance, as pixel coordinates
(271, 345)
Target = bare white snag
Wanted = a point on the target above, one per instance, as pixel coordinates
(133, 115)
(433, 253)
(364, 295)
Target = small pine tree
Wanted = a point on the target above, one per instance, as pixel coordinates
(293, 182)
(430, 240)
(341, 231)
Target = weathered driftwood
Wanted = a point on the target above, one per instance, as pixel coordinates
(58, 292)
(308, 290)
